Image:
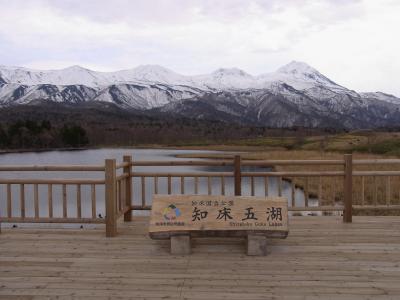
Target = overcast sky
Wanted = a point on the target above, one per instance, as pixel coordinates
(355, 43)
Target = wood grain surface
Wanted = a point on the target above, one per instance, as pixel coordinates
(322, 258)
(211, 213)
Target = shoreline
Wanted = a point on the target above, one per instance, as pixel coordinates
(149, 146)
(11, 151)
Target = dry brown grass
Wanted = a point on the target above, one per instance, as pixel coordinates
(332, 187)
(376, 190)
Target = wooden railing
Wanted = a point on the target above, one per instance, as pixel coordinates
(126, 189)
(342, 187)
(21, 184)
(237, 175)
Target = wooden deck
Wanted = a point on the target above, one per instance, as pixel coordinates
(322, 258)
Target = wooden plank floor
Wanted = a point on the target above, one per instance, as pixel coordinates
(321, 259)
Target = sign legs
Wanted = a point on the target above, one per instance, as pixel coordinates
(180, 244)
(256, 245)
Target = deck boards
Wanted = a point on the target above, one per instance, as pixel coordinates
(322, 258)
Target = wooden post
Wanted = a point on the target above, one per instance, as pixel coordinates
(362, 190)
(50, 199)
(252, 186)
(196, 185)
(182, 185)
(79, 201)
(22, 199)
(110, 196)
(238, 176)
(128, 187)
(293, 190)
(155, 185)
(9, 201)
(143, 181)
(306, 193)
(348, 188)
(64, 201)
(388, 191)
(169, 187)
(36, 199)
(180, 244)
(93, 198)
(256, 245)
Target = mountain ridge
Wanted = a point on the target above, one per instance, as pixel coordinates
(145, 73)
(294, 95)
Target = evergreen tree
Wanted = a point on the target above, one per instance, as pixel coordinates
(74, 136)
(3, 137)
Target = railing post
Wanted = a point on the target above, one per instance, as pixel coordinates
(348, 188)
(238, 175)
(128, 187)
(110, 197)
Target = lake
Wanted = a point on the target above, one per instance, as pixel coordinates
(97, 156)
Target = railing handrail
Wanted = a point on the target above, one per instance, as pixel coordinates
(293, 174)
(230, 162)
(377, 161)
(60, 220)
(182, 174)
(216, 162)
(123, 165)
(243, 174)
(168, 163)
(296, 162)
(64, 168)
(50, 181)
(261, 163)
(376, 173)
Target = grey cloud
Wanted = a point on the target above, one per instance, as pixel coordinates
(196, 36)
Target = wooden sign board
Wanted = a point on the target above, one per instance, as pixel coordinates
(205, 215)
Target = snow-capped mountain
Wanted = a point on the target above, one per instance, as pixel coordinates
(141, 96)
(295, 94)
(225, 78)
(381, 97)
(68, 76)
(297, 74)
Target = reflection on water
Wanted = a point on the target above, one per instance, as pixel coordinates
(97, 157)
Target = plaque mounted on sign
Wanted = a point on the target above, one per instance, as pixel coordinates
(212, 215)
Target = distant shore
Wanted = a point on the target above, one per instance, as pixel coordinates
(150, 146)
(7, 151)
(379, 143)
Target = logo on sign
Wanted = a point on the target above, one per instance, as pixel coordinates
(171, 212)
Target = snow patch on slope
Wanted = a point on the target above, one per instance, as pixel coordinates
(381, 96)
(299, 75)
(149, 86)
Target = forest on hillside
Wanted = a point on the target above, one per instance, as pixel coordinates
(60, 126)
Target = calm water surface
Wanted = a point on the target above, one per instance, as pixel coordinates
(98, 156)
